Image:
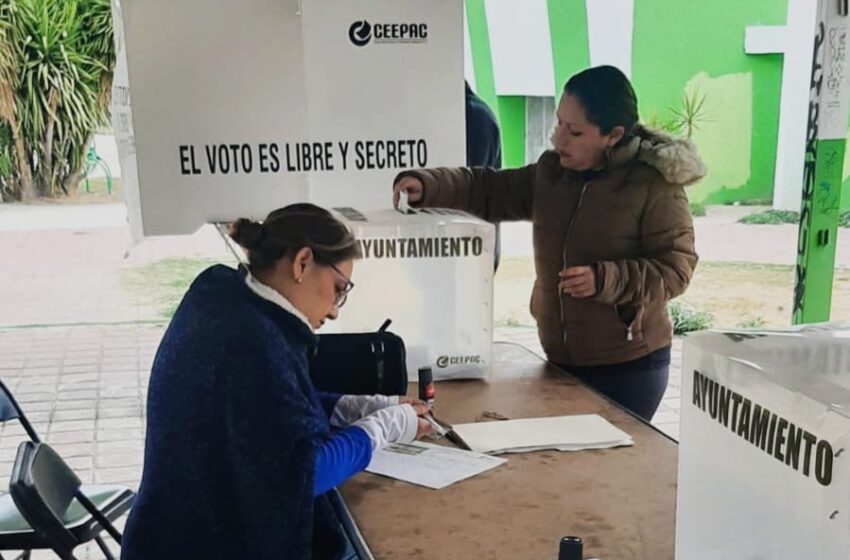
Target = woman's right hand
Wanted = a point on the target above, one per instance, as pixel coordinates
(411, 185)
(396, 423)
(423, 427)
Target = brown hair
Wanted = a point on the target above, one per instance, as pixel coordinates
(287, 230)
(608, 99)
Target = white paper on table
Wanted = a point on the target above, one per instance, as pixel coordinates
(429, 465)
(562, 433)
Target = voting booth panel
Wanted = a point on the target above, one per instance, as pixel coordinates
(432, 274)
(763, 450)
(232, 109)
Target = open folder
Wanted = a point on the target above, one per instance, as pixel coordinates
(562, 433)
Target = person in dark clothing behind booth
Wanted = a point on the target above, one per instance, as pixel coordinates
(240, 448)
(613, 236)
(483, 146)
(483, 142)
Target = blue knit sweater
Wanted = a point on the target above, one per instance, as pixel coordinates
(238, 442)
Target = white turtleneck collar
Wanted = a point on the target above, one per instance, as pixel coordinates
(272, 295)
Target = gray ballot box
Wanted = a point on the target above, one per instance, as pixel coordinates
(431, 273)
(764, 450)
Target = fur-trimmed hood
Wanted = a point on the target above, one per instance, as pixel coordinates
(675, 158)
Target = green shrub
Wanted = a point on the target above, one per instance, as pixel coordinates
(509, 321)
(756, 322)
(753, 202)
(697, 209)
(687, 319)
(772, 217)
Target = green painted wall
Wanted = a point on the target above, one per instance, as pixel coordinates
(510, 111)
(741, 91)
(568, 28)
(845, 185)
(738, 133)
(479, 44)
(512, 125)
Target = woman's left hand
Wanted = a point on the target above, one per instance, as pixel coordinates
(404, 399)
(578, 281)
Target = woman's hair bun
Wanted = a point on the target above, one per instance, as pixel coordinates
(247, 233)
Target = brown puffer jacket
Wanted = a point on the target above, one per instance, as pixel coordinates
(630, 222)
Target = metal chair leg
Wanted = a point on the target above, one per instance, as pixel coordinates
(103, 548)
(65, 554)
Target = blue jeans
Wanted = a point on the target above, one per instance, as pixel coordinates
(638, 385)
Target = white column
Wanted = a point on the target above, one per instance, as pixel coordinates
(521, 47)
(468, 62)
(610, 24)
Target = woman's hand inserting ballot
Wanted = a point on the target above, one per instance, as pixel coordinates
(412, 186)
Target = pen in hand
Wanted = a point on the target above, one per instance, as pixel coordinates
(438, 430)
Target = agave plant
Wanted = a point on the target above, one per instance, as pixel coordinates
(59, 59)
(690, 114)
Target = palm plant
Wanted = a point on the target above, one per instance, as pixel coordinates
(61, 70)
(13, 175)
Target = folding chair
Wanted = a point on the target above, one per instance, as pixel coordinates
(10, 410)
(16, 533)
(49, 496)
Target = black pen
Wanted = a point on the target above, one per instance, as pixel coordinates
(451, 434)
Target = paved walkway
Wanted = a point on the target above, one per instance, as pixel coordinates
(76, 348)
(719, 238)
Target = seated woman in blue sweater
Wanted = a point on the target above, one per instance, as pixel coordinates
(240, 447)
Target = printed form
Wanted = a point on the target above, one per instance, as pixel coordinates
(429, 465)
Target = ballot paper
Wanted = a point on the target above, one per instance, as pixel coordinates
(429, 465)
(403, 204)
(561, 433)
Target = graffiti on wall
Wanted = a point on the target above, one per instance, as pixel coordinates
(809, 169)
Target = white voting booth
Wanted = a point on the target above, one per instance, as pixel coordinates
(765, 444)
(229, 109)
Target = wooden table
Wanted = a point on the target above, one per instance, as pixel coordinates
(621, 502)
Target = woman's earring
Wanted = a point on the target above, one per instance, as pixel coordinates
(299, 279)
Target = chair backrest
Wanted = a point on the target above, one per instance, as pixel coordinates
(10, 410)
(42, 487)
(8, 407)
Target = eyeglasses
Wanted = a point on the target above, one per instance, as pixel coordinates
(342, 295)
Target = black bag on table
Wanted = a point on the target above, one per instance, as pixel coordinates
(372, 363)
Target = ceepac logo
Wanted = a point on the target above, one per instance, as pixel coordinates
(361, 33)
(446, 361)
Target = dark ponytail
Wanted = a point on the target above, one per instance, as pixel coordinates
(287, 230)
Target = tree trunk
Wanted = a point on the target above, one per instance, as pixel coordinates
(69, 185)
(26, 186)
(46, 171)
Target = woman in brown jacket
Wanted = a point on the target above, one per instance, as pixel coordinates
(613, 236)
